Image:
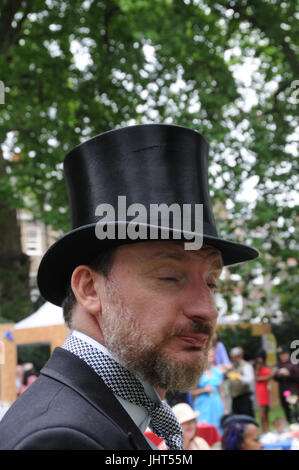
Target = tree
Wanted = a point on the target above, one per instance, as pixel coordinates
(243, 338)
(169, 61)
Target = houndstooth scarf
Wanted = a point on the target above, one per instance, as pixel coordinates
(124, 384)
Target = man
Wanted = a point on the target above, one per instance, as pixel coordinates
(287, 376)
(241, 383)
(141, 310)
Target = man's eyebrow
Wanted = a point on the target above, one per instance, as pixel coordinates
(217, 262)
(166, 255)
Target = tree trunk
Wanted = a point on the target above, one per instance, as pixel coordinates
(15, 301)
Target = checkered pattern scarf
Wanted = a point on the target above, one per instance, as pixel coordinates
(124, 384)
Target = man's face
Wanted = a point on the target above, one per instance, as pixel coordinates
(158, 310)
(236, 359)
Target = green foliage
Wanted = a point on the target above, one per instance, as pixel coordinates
(170, 61)
(16, 306)
(37, 354)
(240, 337)
(286, 332)
(274, 413)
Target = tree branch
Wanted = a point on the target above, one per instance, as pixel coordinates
(8, 34)
(257, 23)
(7, 15)
(290, 54)
(283, 85)
(108, 17)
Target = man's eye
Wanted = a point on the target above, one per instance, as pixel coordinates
(170, 279)
(212, 286)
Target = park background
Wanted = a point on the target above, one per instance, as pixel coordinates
(70, 70)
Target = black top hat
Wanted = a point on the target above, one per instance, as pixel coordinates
(148, 164)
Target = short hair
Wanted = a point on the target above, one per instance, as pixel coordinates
(234, 427)
(233, 435)
(261, 355)
(237, 351)
(27, 374)
(102, 263)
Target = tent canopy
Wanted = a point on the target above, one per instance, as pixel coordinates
(47, 315)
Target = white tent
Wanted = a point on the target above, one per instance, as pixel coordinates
(48, 314)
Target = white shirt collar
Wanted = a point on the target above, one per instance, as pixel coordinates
(138, 414)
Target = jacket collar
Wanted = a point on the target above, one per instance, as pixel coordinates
(68, 369)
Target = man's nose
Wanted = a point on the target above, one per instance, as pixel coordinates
(200, 303)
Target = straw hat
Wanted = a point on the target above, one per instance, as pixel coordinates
(183, 412)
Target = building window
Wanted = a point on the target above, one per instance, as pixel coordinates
(33, 242)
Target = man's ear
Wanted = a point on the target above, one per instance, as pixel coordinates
(85, 285)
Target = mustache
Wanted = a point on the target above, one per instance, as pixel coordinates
(195, 328)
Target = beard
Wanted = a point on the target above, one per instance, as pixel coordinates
(129, 343)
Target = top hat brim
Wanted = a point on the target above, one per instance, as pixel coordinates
(81, 245)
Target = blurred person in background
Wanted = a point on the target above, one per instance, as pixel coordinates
(19, 378)
(186, 416)
(241, 383)
(280, 425)
(174, 397)
(221, 357)
(287, 376)
(29, 376)
(208, 395)
(222, 361)
(240, 432)
(263, 375)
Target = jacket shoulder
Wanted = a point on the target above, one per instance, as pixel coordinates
(72, 408)
(58, 438)
(50, 415)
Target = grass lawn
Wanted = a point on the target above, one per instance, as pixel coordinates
(274, 412)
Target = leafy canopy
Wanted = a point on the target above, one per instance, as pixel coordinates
(227, 69)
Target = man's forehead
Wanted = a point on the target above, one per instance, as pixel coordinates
(182, 255)
(161, 250)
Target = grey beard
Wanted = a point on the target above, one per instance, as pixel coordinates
(129, 344)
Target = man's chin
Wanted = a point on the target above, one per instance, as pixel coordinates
(179, 372)
(189, 356)
(190, 353)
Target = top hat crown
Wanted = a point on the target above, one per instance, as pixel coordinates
(146, 165)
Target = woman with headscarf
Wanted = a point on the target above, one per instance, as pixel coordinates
(241, 432)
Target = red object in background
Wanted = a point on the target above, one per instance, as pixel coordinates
(152, 437)
(208, 432)
(261, 388)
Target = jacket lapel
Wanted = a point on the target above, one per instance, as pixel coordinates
(68, 369)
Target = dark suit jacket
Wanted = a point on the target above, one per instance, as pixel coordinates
(69, 407)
